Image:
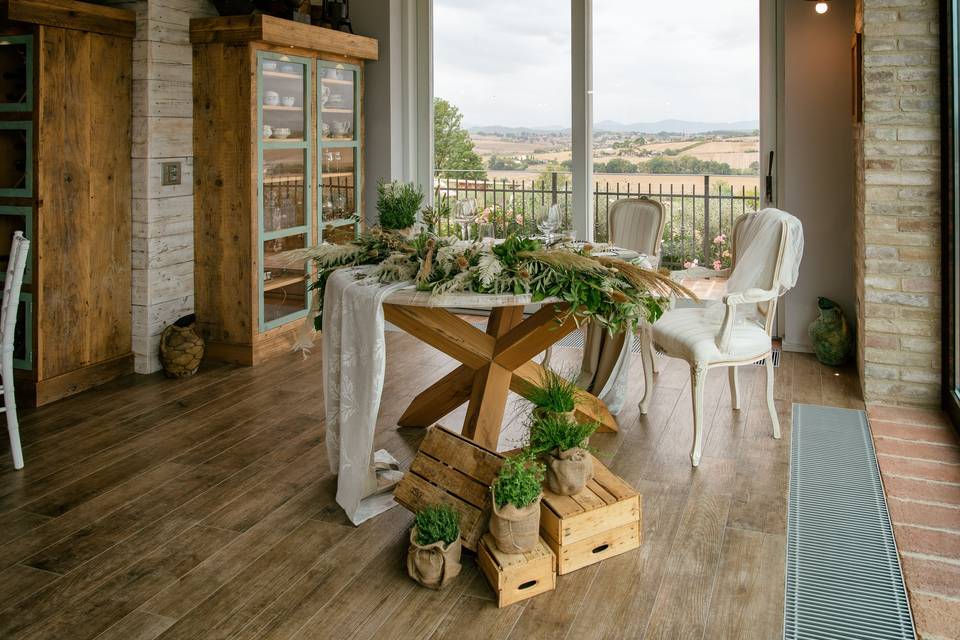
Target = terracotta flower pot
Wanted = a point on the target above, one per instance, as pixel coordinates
(433, 565)
(568, 472)
(516, 530)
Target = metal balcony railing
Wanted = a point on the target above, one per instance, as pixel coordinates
(700, 209)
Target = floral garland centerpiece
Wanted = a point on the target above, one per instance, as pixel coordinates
(611, 292)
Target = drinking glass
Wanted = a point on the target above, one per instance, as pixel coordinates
(464, 216)
(487, 232)
(548, 221)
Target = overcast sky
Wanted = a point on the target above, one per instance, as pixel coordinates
(508, 62)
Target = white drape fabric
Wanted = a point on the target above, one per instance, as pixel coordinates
(758, 243)
(354, 363)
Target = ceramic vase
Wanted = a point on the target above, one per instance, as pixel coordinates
(830, 334)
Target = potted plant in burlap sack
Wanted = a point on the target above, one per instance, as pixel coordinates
(515, 521)
(555, 396)
(561, 443)
(433, 558)
(397, 205)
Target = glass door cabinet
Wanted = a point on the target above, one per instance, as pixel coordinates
(278, 142)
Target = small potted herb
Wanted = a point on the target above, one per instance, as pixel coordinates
(515, 521)
(398, 204)
(555, 396)
(433, 558)
(562, 445)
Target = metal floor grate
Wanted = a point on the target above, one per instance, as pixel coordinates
(843, 573)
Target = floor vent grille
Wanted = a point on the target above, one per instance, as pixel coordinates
(843, 576)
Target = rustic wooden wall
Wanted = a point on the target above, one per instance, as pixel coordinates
(83, 220)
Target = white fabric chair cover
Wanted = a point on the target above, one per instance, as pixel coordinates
(768, 247)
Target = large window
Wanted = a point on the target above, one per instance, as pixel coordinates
(671, 93)
(951, 209)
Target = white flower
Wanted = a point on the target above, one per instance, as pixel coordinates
(489, 268)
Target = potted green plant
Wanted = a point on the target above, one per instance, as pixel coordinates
(398, 204)
(515, 521)
(555, 396)
(562, 444)
(433, 557)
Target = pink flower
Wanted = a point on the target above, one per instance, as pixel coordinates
(690, 265)
(720, 239)
(717, 266)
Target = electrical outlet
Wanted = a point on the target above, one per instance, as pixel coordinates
(169, 173)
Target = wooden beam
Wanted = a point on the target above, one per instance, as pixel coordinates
(439, 399)
(69, 14)
(487, 405)
(283, 33)
(444, 331)
(532, 336)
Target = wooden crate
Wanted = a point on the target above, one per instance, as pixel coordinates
(517, 576)
(454, 470)
(601, 521)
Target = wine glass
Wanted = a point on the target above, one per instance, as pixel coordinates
(464, 216)
(548, 221)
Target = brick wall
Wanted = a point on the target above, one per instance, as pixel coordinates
(897, 244)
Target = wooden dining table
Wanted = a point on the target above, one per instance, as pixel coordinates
(494, 361)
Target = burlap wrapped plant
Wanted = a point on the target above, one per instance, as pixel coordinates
(562, 444)
(433, 557)
(555, 396)
(515, 521)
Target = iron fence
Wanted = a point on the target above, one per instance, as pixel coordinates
(700, 209)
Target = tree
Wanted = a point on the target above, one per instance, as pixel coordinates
(453, 148)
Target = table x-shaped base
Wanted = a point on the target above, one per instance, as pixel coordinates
(494, 363)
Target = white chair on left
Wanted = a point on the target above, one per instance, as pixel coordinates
(16, 265)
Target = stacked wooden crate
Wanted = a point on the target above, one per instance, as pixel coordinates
(576, 531)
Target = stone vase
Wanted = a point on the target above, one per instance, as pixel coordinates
(181, 348)
(830, 334)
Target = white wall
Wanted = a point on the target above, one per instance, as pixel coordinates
(817, 184)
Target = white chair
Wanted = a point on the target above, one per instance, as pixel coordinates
(638, 223)
(767, 248)
(19, 248)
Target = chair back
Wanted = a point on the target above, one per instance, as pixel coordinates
(19, 248)
(637, 224)
(767, 249)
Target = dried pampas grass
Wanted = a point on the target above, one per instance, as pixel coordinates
(647, 280)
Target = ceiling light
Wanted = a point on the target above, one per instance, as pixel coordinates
(821, 7)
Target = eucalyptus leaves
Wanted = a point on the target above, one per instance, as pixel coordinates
(611, 292)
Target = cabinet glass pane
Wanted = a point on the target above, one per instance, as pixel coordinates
(283, 93)
(23, 334)
(338, 199)
(284, 172)
(15, 141)
(337, 91)
(16, 60)
(284, 284)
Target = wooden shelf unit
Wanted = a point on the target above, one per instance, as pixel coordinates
(244, 316)
(76, 195)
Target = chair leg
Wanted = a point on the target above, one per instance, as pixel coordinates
(547, 356)
(646, 356)
(10, 408)
(698, 378)
(734, 388)
(654, 358)
(771, 407)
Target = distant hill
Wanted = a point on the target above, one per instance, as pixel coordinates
(661, 126)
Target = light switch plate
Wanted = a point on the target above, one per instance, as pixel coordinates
(169, 173)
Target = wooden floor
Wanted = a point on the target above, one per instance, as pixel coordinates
(204, 508)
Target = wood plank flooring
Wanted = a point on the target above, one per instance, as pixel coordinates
(204, 508)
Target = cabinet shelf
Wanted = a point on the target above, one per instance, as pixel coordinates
(340, 222)
(281, 75)
(280, 107)
(336, 110)
(279, 283)
(285, 180)
(337, 81)
(336, 174)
